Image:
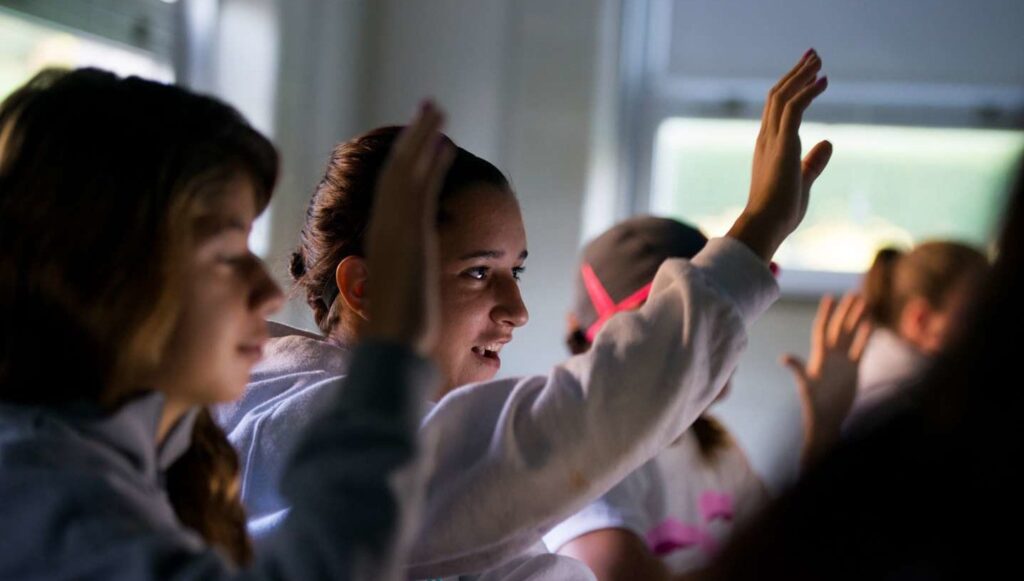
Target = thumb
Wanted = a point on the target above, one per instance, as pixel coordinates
(798, 367)
(814, 163)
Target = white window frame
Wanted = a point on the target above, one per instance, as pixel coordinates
(649, 94)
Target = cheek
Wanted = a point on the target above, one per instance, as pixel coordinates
(456, 333)
(455, 302)
(938, 333)
(465, 319)
(465, 315)
(203, 358)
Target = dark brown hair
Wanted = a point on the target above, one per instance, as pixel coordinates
(100, 179)
(338, 214)
(204, 488)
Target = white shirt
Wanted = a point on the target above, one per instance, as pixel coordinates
(683, 505)
(514, 457)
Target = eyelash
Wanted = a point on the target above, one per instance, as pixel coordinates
(479, 273)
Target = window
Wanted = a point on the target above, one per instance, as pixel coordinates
(28, 45)
(924, 145)
(884, 185)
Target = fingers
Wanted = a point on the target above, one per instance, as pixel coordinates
(856, 314)
(798, 367)
(805, 74)
(436, 173)
(792, 84)
(792, 73)
(416, 165)
(860, 341)
(825, 308)
(814, 163)
(405, 200)
(793, 109)
(851, 324)
(835, 325)
(411, 143)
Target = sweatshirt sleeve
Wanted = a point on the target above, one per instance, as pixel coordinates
(355, 478)
(354, 481)
(521, 455)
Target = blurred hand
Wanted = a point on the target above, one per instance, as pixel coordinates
(827, 384)
(403, 304)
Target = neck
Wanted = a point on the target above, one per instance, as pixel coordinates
(443, 390)
(347, 331)
(348, 335)
(174, 409)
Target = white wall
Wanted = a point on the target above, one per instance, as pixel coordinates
(763, 410)
(321, 100)
(454, 51)
(550, 128)
(517, 79)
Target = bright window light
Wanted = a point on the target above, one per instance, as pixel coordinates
(28, 46)
(884, 185)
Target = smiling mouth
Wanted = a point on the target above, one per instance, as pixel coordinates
(489, 351)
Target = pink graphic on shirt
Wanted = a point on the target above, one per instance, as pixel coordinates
(715, 506)
(673, 535)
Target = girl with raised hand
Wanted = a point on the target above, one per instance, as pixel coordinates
(516, 456)
(130, 300)
(916, 300)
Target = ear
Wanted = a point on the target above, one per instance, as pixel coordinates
(915, 322)
(350, 277)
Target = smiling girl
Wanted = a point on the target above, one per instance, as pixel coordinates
(516, 456)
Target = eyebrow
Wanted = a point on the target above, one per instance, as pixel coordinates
(492, 254)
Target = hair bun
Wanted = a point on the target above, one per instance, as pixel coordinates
(297, 265)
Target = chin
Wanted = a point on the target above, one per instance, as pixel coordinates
(228, 391)
(478, 376)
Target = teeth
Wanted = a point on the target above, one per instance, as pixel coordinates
(490, 348)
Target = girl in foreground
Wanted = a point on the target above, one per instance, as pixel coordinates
(155, 308)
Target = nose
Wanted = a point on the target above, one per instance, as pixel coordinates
(509, 308)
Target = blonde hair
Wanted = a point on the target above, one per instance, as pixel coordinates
(930, 270)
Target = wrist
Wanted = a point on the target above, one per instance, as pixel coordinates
(759, 233)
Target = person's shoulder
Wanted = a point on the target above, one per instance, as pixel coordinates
(61, 487)
(279, 330)
(297, 375)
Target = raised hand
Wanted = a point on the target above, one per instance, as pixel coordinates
(827, 383)
(403, 304)
(780, 182)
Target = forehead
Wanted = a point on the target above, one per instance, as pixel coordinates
(225, 204)
(482, 217)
